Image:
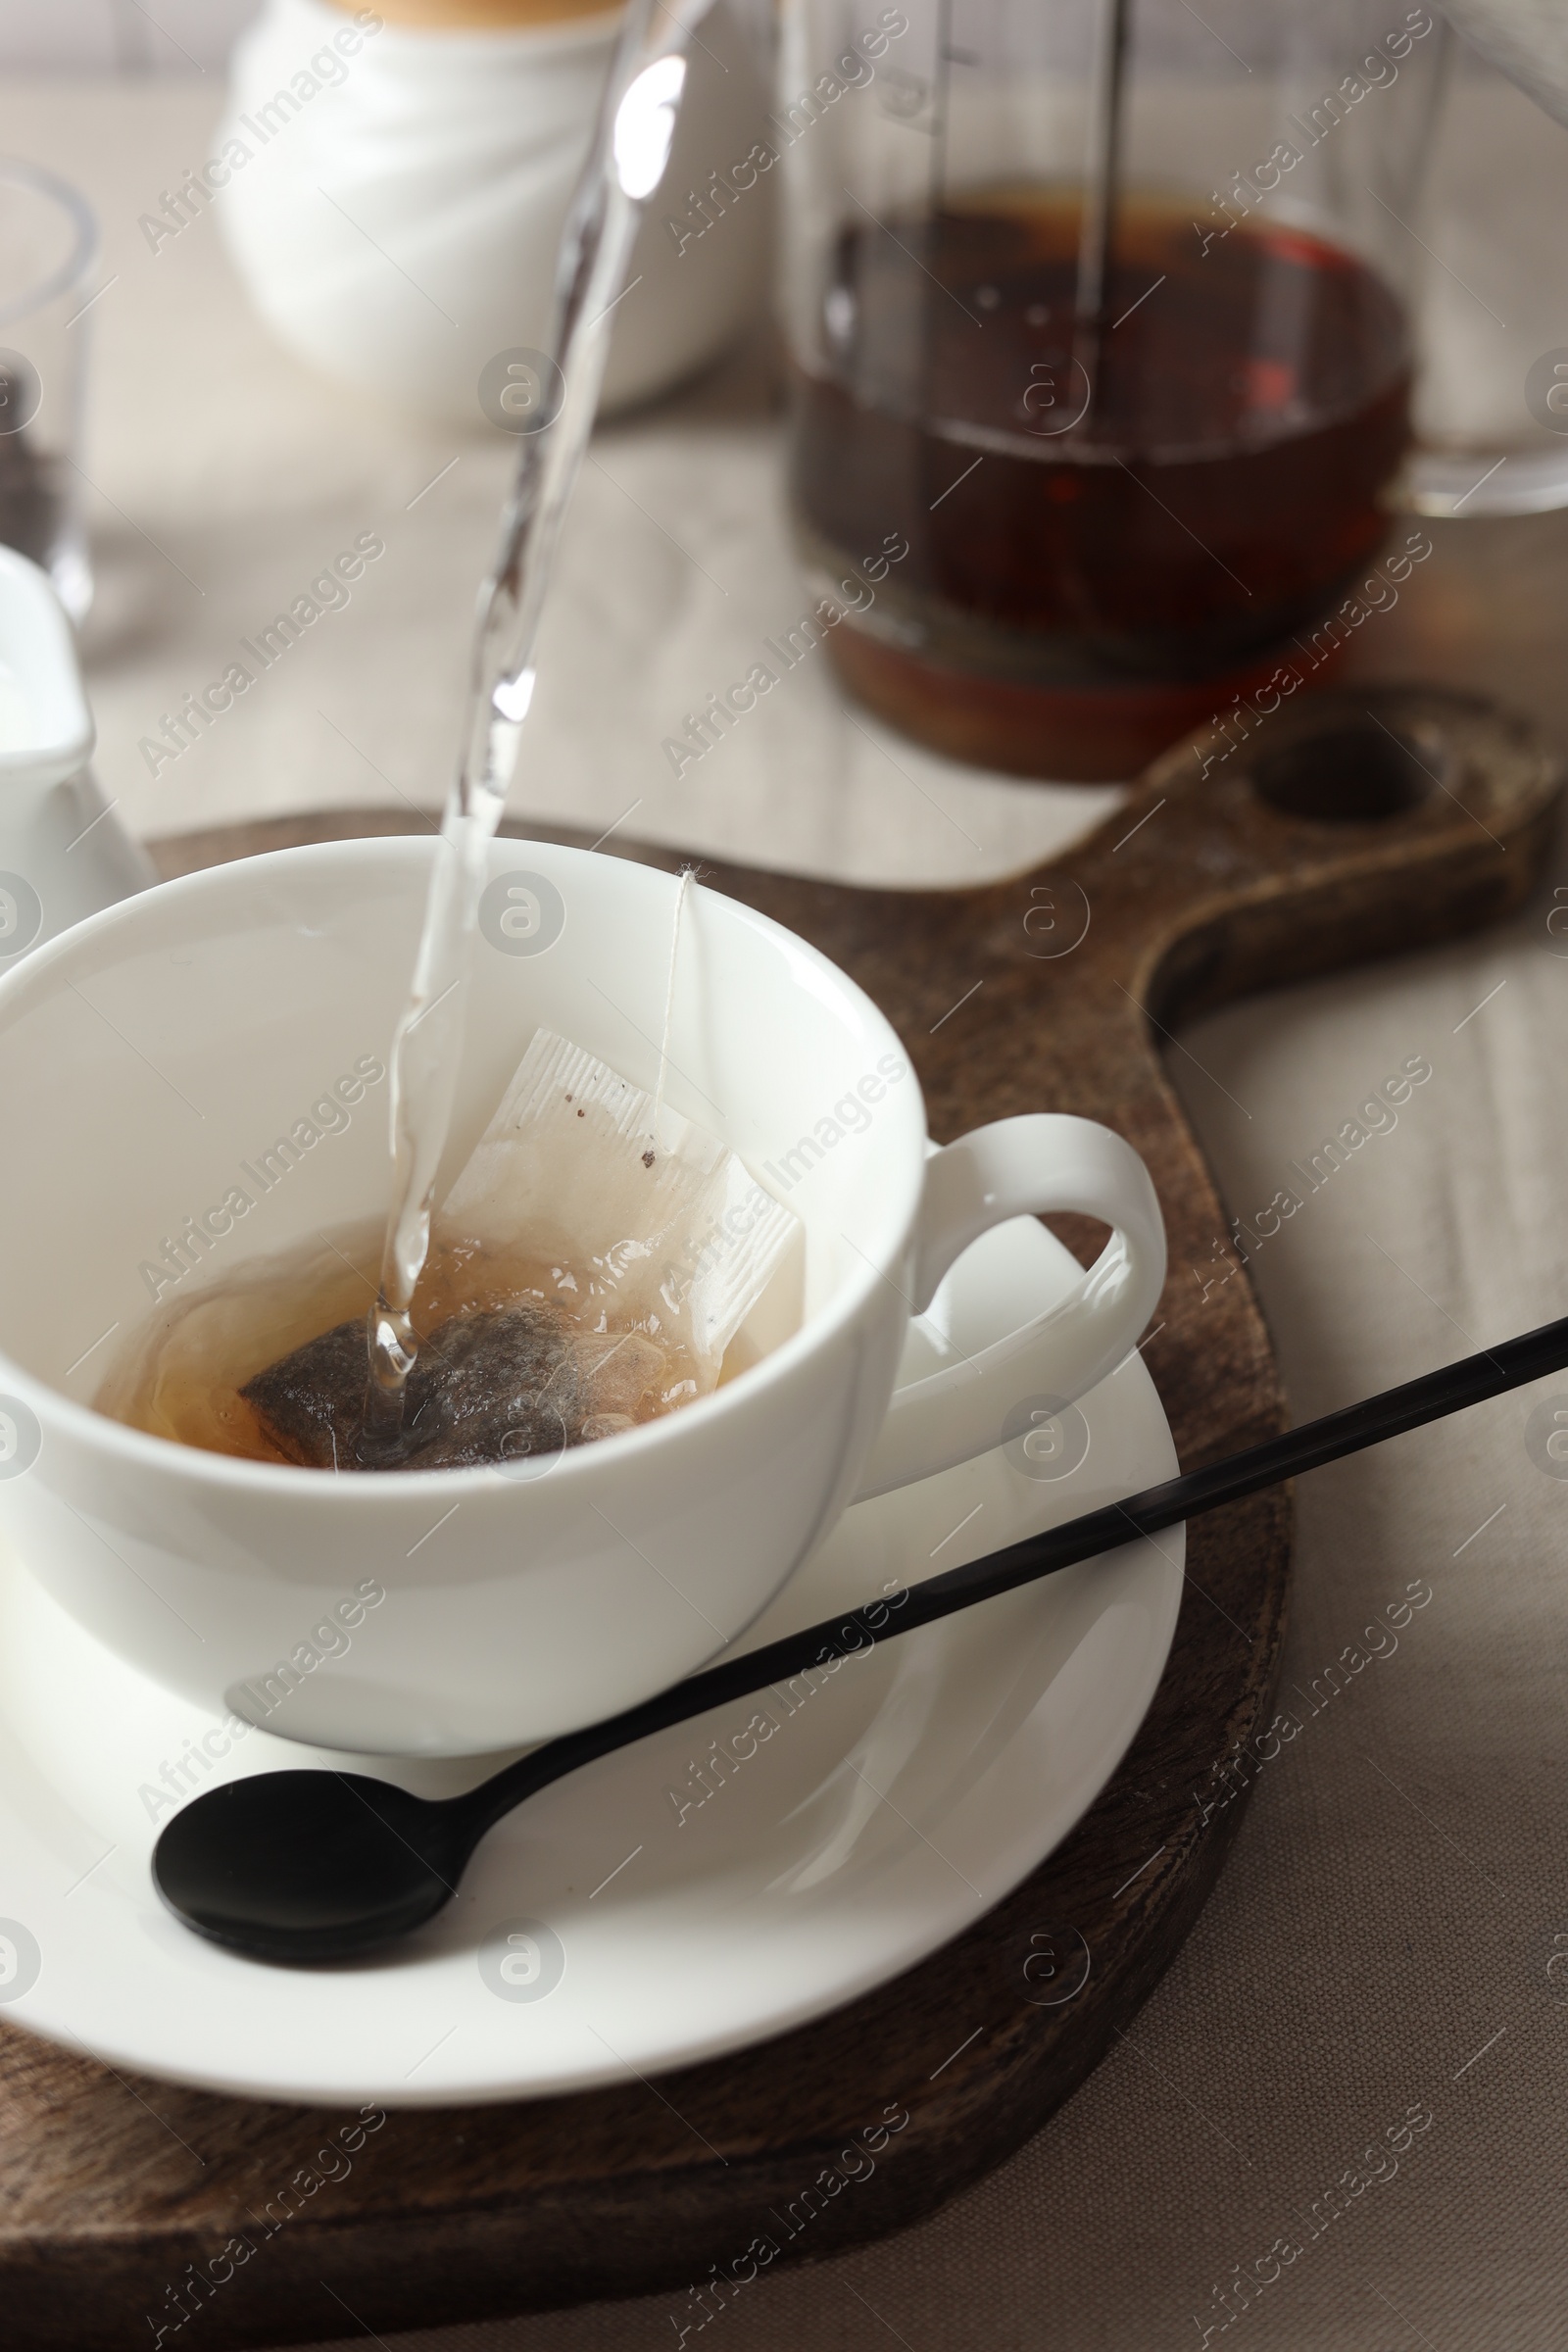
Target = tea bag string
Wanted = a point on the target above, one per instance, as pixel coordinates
(686, 873)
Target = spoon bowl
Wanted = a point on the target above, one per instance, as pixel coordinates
(308, 1866)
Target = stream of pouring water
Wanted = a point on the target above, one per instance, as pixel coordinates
(625, 164)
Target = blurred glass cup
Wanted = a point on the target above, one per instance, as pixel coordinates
(48, 257)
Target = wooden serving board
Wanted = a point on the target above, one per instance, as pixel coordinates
(1053, 990)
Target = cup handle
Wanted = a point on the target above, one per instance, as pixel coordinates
(1027, 1167)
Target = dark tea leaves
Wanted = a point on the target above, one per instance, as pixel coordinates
(490, 1388)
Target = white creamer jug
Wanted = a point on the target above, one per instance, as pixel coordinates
(393, 196)
(63, 854)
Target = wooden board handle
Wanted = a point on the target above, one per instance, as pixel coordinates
(1357, 825)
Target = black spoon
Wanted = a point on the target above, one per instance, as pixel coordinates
(311, 1866)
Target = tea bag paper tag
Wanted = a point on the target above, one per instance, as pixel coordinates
(668, 1220)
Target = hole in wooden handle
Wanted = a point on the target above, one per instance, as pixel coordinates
(1354, 772)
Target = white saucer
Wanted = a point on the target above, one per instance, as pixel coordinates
(901, 1800)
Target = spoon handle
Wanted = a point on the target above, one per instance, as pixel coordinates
(1388, 1415)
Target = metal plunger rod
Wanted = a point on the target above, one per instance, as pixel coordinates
(1101, 170)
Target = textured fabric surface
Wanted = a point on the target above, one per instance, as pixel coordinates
(1388, 1933)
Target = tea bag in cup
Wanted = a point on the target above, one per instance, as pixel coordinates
(606, 1251)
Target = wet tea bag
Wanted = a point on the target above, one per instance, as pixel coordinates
(644, 1245)
(657, 1221)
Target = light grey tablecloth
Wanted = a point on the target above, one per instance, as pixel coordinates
(1385, 1935)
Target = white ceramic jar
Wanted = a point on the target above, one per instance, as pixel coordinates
(396, 208)
(63, 854)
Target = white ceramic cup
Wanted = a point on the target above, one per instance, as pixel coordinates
(151, 1062)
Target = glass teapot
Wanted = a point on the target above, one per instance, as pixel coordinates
(1103, 311)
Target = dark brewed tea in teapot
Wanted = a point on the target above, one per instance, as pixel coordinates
(1087, 579)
